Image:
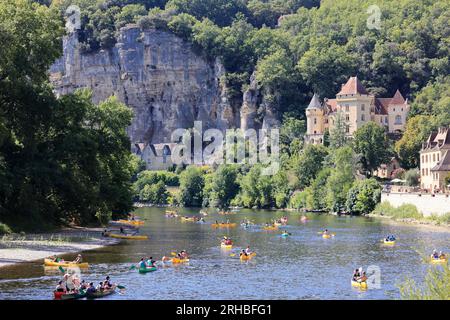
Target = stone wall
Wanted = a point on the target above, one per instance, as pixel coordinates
(426, 203)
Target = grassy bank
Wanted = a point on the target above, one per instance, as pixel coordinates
(410, 213)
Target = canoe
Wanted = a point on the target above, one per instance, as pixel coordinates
(326, 236)
(188, 219)
(226, 246)
(131, 222)
(50, 263)
(277, 224)
(243, 257)
(271, 228)
(128, 237)
(223, 225)
(432, 260)
(69, 296)
(362, 285)
(285, 235)
(100, 294)
(178, 260)
(146, 270)
(388, 242)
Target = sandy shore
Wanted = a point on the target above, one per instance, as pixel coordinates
(19, 249)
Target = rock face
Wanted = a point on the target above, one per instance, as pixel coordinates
(161, 78)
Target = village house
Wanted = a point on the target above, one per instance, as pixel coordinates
(356, 107)
(435, 161)
(156, 156)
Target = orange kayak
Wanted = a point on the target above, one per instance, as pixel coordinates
(243, 257)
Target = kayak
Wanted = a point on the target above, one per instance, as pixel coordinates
(100, 294)
(362, 285)
(188, 219)
(389, 242)
(50, 263)
(128, 237)
(131, 222)
(432, 260)
(285, 235)
(326, 236)
(69, 296)
(226, 246)
(146, 270)
(178, 260)
(271, 228)
(277, 224)
(223, 225)
(243, 257)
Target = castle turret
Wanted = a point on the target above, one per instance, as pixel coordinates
(314, 121)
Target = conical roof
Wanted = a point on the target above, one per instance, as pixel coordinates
(315, 103)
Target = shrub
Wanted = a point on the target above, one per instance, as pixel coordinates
(436, 286)
(412, 177)
(404, 211)
(363, 196)
(5, 229)
(298, 200)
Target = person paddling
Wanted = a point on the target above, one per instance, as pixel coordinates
(78, 259)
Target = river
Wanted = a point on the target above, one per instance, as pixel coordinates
(302, 266)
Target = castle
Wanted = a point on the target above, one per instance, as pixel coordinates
(356, 107)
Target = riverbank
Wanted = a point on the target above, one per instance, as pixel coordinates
(429, 224)
(26, 248)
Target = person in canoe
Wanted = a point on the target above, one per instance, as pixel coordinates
(78, 259)
(227, 241)
(390, 238)
(326, 232)
(91, 288)
(60, 287)
(442, 255)
(356, 275)
(435, 254)
(183, 254)
(285, 233)
(150, 262)
(121, 230)
(248, 251)
(107, 283)
(83, 285)
(243, 253)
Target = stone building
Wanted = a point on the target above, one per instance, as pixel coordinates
(435, 160)
(156, 156)
(356, 107)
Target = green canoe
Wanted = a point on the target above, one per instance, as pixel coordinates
(145, 270)
(100, 294)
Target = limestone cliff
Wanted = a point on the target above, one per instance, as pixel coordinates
(160, 77)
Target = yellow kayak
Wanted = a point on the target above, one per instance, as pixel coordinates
(243, 257)
(131, 222)
(223, 225)
(440, 260)
(188, 219)
(129, 237)
(362, 285)
(226, 246)
(327, 236)
(50, 263)
(271, 228)
(178, 260)
(389, 242)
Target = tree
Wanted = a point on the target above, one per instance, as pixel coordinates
(371, 142)
(155, 194)
(224, 186)
(341, 178)
(412, 177)
(291, 135)
(309, 163)
(191, 187)
(317, 192)
(338, 133)
(363, 196)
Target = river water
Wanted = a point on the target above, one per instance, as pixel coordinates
(302, 266)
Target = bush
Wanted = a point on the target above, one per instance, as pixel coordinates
(298, 200)
(155, 194)
(404, 211)
(5, 229)
(412, 177)
(363, 196)
(436, 286)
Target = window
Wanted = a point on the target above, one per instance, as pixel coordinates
(363, 117)
(438, 157)
(398, 119)
(347, 108)
(363, 107)
(386, 120)
(434, 157)
(347, 117)
(315, 120)
(347, 129)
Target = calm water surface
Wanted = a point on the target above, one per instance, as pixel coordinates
(302, 266)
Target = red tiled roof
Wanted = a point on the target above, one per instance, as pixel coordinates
(381, 105)
(331, 105)
(397, 98)
(353, 86)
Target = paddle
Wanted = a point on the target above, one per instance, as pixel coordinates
(62, 269)
(121, 287)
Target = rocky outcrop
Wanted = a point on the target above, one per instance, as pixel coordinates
(161, 78)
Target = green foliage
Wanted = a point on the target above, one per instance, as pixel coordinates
(191, 187)
(66, 158)
(436, 286)
(5, 229)
(338, 134)
(341, 178)
(371, 142)
(363, 196)
(155, 193)
(405, 211)
(223, 186)
(129, 14)
(291, 135)
(317, 192)
(298, 200)
(412, 177)
(308, 163)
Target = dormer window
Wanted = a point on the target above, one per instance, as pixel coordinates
(398, 119)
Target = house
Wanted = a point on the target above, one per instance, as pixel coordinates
(156, 156)
(386, 171)
(356, 107)
(435, 160)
